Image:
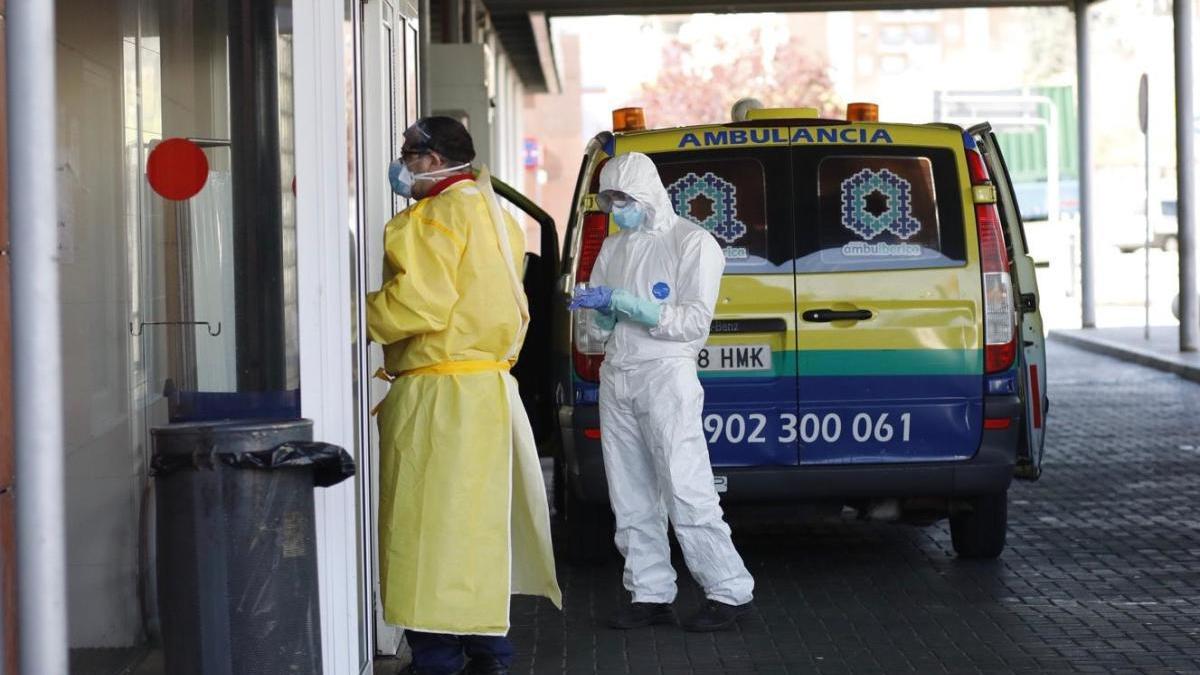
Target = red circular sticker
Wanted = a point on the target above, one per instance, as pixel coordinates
(177, 169)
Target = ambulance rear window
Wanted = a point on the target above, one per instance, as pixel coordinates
(874, 211)
(729, 193)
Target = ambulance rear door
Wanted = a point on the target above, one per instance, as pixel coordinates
(1031, 379)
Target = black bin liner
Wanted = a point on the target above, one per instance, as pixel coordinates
(237, 564)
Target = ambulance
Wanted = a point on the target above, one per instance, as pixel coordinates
(876, 343)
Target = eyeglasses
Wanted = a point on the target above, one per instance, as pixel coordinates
(409, 154)
(613, 199)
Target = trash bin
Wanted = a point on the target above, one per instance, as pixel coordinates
(237, 564)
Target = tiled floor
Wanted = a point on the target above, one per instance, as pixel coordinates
(1101, 573)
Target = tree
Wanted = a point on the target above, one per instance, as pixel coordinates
(694, 87)
(1051, 51)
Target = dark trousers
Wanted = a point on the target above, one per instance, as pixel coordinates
(441, 654)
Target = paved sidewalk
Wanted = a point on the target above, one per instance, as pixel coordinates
(1100, 574)
(1161, 351)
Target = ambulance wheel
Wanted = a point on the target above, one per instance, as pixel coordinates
(589, 529)
(980, 530)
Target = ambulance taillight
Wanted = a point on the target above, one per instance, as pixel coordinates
(587, 356)
(999, 325)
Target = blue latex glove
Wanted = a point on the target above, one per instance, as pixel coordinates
(597, 297)
(629, 307)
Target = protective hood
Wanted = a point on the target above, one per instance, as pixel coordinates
(635, 175)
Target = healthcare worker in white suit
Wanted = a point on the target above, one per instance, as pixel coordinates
(653, 288)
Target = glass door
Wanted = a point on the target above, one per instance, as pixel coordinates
(389, 106)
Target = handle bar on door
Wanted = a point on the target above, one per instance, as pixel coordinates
(826, 315)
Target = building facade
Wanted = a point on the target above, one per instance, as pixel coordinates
(222, 191)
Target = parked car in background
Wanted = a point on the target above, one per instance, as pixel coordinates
(1164, 231)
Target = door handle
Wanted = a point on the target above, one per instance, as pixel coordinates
(826, 315)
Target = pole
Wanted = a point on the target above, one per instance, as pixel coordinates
(1185, 153)
(1087, 247)
(257, 203)
(426, 25)
(1053, 177)
(37, 365)
(1144, 122)
(454, 22)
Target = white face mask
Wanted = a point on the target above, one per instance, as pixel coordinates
(440, 173)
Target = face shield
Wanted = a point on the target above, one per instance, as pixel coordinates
(416, 137)
(608, 200)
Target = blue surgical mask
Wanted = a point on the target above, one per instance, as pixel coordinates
(629, 217)
(401, 178)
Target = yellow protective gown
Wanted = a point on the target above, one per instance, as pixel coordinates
(463, 518)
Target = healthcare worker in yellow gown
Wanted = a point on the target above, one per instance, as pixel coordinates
(463, 519)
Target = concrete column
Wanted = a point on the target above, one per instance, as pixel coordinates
(454, 21)
(37, 340)
(257, 205)
(1185, 140)
(425, 21)
(1087, 243)
(8, 497)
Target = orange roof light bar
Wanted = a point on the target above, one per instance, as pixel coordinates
(862, 112)
(628, 119)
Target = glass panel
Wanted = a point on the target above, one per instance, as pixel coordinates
(742, 196)
(176, 307)
(395, 106)
(410, 73)
(876, 211)
(900, 209)
(727, 198)
(351, 20)
(218, 304)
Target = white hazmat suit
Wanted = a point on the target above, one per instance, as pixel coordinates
(651, 401)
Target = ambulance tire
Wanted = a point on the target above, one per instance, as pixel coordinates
(980, 532)
(589, 529)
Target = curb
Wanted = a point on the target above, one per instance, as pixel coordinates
(1125, 352)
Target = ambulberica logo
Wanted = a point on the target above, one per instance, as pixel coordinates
(874, 202)
(722, 219)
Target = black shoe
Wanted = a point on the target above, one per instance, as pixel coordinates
(485, 665)
(714, 615)
(639, 614)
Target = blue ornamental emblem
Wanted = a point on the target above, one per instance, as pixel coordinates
(874, 202)
(661, 290)
(693, 195)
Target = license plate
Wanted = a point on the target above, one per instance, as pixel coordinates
(734, 358)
